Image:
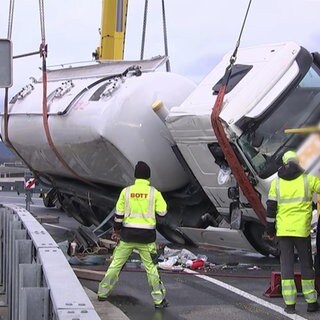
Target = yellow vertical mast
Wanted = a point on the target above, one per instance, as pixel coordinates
(113, 27)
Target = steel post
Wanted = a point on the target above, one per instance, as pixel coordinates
(34, 304)
(29, 277)
(28, 199)
(7, 218)
(14, 226)
(1, 244)
(22, 254)
(27, 284)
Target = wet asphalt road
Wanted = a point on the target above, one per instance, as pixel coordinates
(194, 298)
(235, 293)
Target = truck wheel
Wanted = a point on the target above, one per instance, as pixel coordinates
(72, 208)
(173, 235)
(47, 200)
(254, 233)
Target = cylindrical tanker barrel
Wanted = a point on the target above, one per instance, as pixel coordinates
(100, 128)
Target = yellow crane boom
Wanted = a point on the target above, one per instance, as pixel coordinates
(112, 32)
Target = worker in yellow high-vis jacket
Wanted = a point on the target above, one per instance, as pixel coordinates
(135, 226)
(289, 214)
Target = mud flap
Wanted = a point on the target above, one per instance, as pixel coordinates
(218, 237)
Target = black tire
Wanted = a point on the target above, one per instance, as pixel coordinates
(47, 201)
(254, 233)
(74, 210)
(173, 235)
(81, 219)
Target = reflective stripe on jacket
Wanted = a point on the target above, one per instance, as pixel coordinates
(138, 204)
(294, 200)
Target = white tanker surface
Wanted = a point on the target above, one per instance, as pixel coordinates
(101, 128)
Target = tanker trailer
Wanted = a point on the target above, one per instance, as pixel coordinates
(99, 123)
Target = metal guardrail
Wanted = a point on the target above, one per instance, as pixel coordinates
(36, 278)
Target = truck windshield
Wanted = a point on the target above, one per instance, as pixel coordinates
(263, 140)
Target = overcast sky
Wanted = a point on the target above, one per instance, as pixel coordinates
(200, 32)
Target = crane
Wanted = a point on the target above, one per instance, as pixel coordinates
(112, 32)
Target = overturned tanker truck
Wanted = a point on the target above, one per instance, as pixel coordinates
(214, 170)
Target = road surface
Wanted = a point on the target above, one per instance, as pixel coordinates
(228, 292)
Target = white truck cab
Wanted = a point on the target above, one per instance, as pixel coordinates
(271, 88)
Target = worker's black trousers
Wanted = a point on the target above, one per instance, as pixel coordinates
(303, 247)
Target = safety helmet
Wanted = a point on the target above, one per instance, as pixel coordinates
(289, 156)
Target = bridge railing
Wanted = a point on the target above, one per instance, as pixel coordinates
(36, 279)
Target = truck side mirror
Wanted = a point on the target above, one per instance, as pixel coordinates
(5, 63)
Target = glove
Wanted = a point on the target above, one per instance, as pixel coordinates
(271, 236)
(268, 235)
(115, 236)
(270, 231)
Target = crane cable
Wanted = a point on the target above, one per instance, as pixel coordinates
(10, 19)
(234, 163)
(234, 55)
(43, 46)
(168, 68)
(144, 28)
(43, 50)
(6, 101)
(45, 116)
(6, 96)
(165, 37)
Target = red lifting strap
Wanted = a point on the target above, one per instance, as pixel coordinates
(233, 161)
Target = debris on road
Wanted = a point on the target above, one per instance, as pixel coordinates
(176, 260)
(86, 249)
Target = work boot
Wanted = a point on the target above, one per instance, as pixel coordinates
(164, 303)
(290, 308)
(313, 307)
